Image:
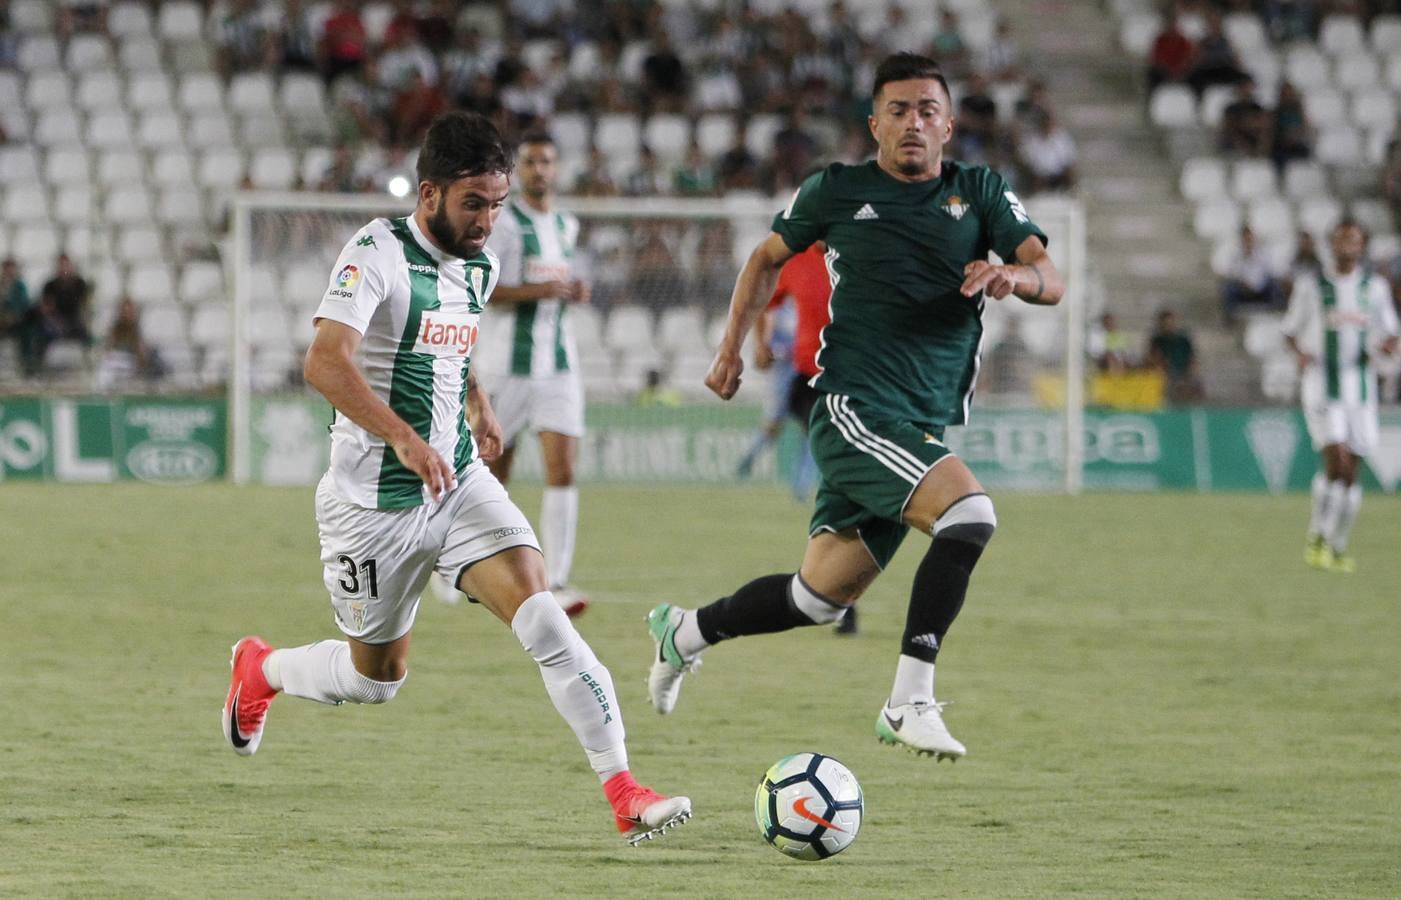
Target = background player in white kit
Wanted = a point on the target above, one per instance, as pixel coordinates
(1332, 325)
(541, 391)
(407, 491)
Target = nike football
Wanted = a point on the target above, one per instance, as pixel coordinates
(809, 806)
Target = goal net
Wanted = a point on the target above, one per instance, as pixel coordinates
(662, 270)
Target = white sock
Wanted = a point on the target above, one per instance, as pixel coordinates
(323, 672)
(689, 641)
(579, 685)
(559, 522)
(1352, 502)
(914, 680)
(1336, 508)
(1319, 515)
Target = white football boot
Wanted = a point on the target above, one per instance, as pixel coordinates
(668, 666)
(920, 727)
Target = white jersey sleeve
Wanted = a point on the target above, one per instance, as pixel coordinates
(1304, 308)
(1382, 307)
(362, 276)
(505, 242)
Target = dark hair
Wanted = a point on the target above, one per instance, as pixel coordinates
(536, 136)
(461, 145)
(906, 66)
(1349, 222)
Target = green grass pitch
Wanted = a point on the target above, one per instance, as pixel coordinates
(1159, 700)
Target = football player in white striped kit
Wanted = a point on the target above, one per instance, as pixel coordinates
(408, 492)
(1335, 321)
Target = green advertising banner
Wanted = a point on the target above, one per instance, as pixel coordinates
(182, 440)
(156, 439)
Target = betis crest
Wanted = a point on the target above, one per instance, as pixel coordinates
(955, 207)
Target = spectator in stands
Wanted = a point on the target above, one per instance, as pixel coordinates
(1247, 128)
(293, 43)
(1305, 264)
(714, 278)
(978, 139)
(341, 176)
(240, 36)
(527, 100)
(737, 169)
(405, 56)
(949, 47)
(415, 107)
(664, 76)
(1172, 55)
(656, 278)
(1248, 279)
(9, 39)
(469, 58)
(1035, 103)
(1290, 20)
(437, 24)
(68, 294)
(695, 176)
(596, 180)
(1048, 154)
(1216, 61)
(1391, 177)
(345, 44)
(794, 150)
(1170, 351)
(125, 351)
(359, 109)
(1292, 138)
(80, 15)
(17, 317)
(1108, 346)
(647, 178)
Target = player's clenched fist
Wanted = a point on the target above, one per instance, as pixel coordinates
(723, 377)
(981, 276)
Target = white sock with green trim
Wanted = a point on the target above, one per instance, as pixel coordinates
(1319, 516)
(559, 523)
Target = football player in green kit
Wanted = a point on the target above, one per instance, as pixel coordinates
(908, 236)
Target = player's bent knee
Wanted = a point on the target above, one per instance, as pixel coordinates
(366, 690)
(821, 610)
(970, 519)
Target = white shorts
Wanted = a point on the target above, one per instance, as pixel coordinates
(1353, 425)
(540, 403)
(376, 562)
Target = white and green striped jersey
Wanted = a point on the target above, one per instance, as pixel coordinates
(418, 309)
(1338, 319)
(534, 247)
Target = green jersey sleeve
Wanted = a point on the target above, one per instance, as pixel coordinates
(1005, 218)
(802, 223)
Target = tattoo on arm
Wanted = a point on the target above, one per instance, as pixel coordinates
(1040, 282)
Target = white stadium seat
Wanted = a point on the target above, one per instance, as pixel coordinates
(572, 133)
(36, 246)
(160, 129)
(31, 15)
(618, 134)
(1385, 35)
(11, 90)
(1271, 219)
(1215, 99)
(151, 282)
(98, 91)
(1339, 35)
(303, 284)
(128, 205)
(26, 203)
(210, 325)
(260, 130)
(180, 21)
(1339, 146)
(88, 53)
(150, 92)
(1173, 106)
(680, 327)
(18, 165)
(1217, 219)
(1318, 215)
(210, 131)
(302, 93)
(715, 132)
(137, 243)
(67, 166)
(1324, 107)
(1373, 215)
(629, 329)
(587, 325)
(201, 93)
(1203, 178)
(116, 167)
(273, 168)
(759, 137)
(48, 89)
(139, 54)
(1264, 336)
(1305, 66)
(268, 326)
(180, 207)
(1373, 108)
(1265, 66)
(163, 325)
(1252, 179)
(220, 169)
(74, 204)
(201, 281)
(110, 130)
(1304, 178)
(1137, 33)
(37, 52)
(1354, 72)
(1245, 31)
(668, 135)
(263, 285)
(173, 167)
(57, 127)
(129, 19)
(252, 92)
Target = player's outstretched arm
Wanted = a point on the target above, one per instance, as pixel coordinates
(753, 288)
(330, 368)
(1034, 277)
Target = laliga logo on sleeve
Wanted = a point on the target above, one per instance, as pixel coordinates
(446, 334)
(346, 279)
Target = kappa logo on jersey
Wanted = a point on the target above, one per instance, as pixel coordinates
(446, 334)
(955, 207)
(1018, 210)
(424, 269)
(865, 212)
(346, 279)
(366, 241)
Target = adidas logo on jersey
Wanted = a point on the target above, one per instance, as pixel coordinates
(865, 212)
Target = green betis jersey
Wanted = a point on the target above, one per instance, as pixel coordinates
(902, 338)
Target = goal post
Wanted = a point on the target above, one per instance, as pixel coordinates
(662, 270)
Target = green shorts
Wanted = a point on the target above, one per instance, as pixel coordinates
(870, 465)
